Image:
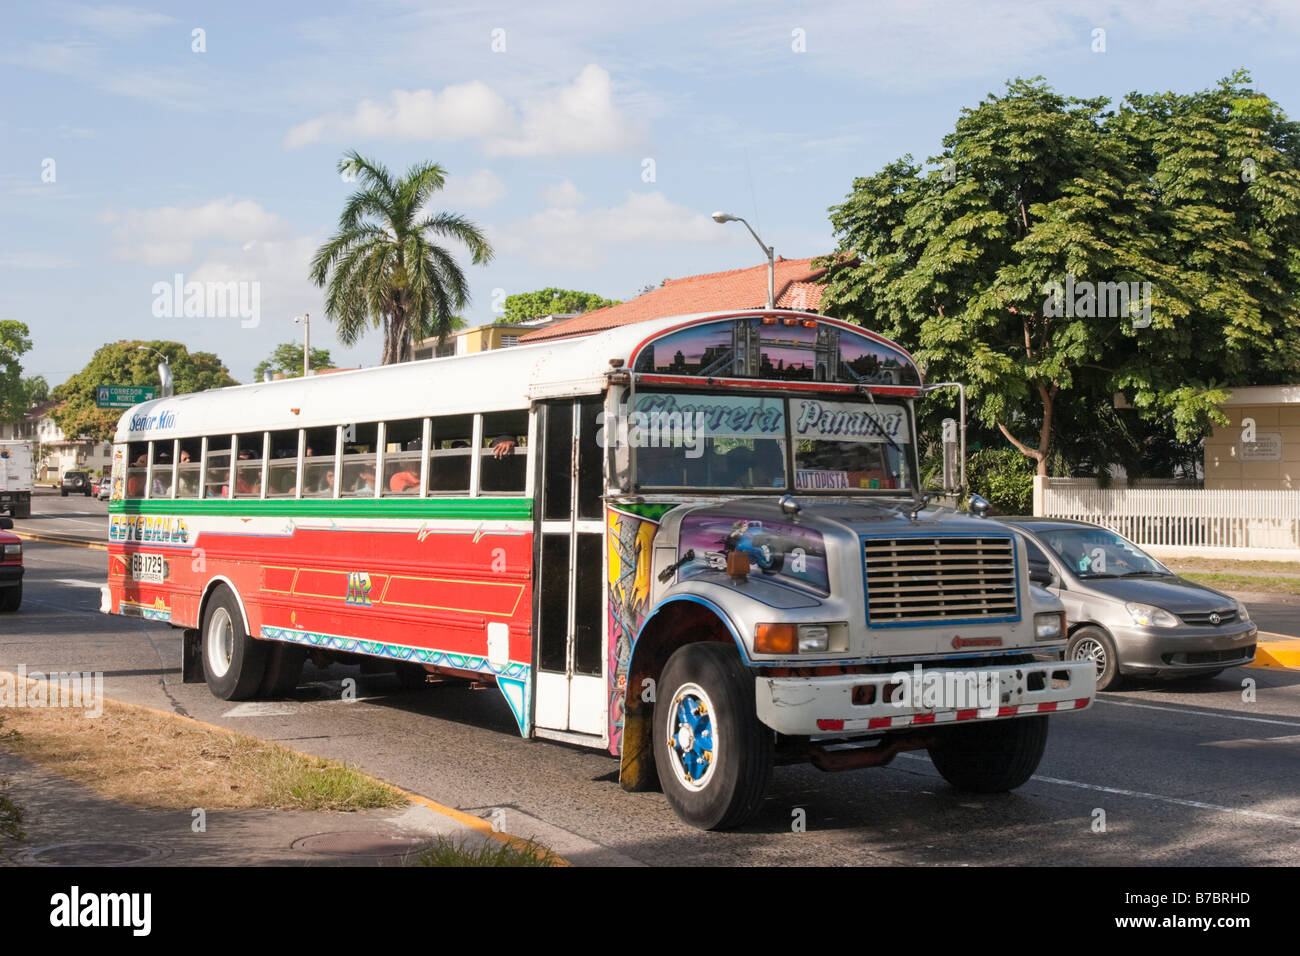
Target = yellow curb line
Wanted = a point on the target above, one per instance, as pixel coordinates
(476, 823)
(1277, 654)
(46, 539)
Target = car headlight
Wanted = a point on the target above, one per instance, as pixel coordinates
(1049, 626)
(13, 550)
(1147, 615)
(1242, 613)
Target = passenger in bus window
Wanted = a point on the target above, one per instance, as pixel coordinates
(366, 480)
(403, 481)
(503, 446)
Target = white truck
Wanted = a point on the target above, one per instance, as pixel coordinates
(17, 474)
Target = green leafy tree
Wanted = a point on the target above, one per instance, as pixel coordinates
(982, 266)
(37, 390)
(124, 363)
(15, 341)
(383, 267)
(523, 306)
(287, 360)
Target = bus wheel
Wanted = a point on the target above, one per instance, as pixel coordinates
(991, 757)
(233, 663)
(713, 755)
(283, 670)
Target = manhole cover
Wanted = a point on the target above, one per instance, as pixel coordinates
(93, 853)
(359, 843)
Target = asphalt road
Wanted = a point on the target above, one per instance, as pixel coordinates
(1185, 773)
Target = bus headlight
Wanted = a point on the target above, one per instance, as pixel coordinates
(813, 638)
(801, 638)
(1049, 626)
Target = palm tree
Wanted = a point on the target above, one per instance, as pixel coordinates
(387, 269)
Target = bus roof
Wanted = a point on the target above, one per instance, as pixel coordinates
(495, 380)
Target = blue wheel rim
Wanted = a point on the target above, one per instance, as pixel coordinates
(691, 739)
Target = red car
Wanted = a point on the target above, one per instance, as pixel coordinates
(11, 567)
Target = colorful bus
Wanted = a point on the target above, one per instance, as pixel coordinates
(697, 542)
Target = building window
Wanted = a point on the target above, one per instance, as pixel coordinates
(509, 341)
(446, 350)
(423, 354)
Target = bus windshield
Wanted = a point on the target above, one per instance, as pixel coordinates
(736, 442)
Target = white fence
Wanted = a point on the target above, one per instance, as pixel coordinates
(1181, 518)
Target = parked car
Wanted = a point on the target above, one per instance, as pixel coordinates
(1128, 612)
(103, 488)
(75, 482)
(11, 567)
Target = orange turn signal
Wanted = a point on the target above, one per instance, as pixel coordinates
(776, 639)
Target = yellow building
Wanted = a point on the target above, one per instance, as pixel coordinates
(481, 338)
(1260, 447)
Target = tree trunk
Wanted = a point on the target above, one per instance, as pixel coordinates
(1039, 454)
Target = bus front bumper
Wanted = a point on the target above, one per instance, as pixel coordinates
(867, 703)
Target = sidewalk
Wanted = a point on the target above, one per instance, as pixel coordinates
(70, 824)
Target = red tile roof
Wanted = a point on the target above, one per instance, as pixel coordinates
(737, 289)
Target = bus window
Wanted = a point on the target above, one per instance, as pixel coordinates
(359, 443)
(188, 468)
(402, 440)
(161, 485)
(216, 475)
(282, 465)
(137, 468)
(449, 454)
(503, 468)
(248, 467)
(318, 463)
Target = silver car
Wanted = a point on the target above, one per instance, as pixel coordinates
(1128, 612)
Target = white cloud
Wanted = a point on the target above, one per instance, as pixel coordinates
(576, 238)
(480, 188)
(168, 235)
(33, 260)
(460, 111)
(563, 193)
(118, 22)
(579, 117)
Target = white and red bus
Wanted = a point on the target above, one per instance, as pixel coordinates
(697, 542)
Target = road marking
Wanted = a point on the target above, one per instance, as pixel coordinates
(1157, 797)
(1199, 713)
(79, 583)
(260, 709)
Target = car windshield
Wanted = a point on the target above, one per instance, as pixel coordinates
(1098, 553)
(739, 442)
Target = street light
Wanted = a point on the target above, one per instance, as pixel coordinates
(164, 369)
(305, 319)
(769, 251)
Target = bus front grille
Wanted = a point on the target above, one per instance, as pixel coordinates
(926, 579)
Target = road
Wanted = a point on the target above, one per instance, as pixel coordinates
(1188, 773)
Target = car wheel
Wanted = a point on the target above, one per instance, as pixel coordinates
(11, 598)
(1094, 644)
(991, 757)
(233, 663)
(63, 492)
(713, 755)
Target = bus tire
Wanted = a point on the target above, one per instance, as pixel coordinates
(991, 757)
(283, 671)
(233, 663)
(705, 704)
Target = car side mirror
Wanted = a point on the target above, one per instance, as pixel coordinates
(1041, 576)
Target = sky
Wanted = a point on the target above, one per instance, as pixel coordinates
(144, 148)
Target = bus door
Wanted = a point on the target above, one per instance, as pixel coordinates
(572, 696)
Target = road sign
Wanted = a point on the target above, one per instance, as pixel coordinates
(123, 396)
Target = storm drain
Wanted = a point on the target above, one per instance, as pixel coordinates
(94, 853)
(359, 844)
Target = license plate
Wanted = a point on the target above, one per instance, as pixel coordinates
(150, 568)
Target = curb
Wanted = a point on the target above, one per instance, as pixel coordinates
(473, 822)
(52, 539)
(1283, 653)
